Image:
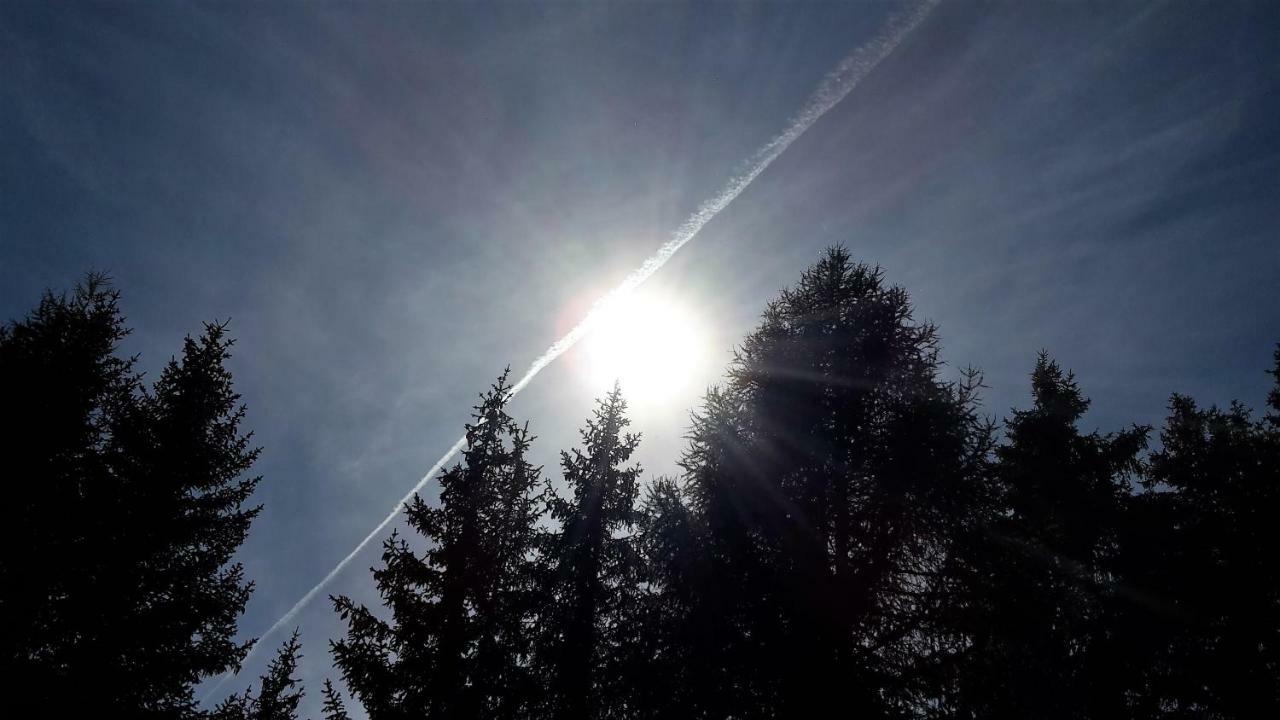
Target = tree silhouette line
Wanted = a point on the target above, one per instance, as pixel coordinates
(848, 536)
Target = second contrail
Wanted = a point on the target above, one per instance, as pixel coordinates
(834, 87)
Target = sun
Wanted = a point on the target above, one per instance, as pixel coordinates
(650, 344)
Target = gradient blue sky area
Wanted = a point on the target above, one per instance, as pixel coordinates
(393, 201)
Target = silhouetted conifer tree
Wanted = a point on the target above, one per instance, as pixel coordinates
(827, 480)
(124, 509)
(456, 644)
(661, 649)
(1038, 574)
(591, 573)
(278, 690)
(1201, 615)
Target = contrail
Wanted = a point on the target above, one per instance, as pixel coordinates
(834, 87)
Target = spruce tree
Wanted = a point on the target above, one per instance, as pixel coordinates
(591, 572)
(126, 507)
(1203, 607)
(1035, 581)
(456, 642)
(279, 691)
(662, 650)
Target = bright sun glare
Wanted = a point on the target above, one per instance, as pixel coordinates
(652, 345)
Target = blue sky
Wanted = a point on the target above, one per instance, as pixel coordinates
(393, 201)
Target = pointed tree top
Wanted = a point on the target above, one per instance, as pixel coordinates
(1056, 392)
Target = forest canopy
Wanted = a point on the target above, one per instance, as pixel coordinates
(848, 533)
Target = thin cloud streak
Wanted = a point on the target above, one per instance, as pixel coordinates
(834, 88)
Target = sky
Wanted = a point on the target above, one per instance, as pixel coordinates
(393, 201)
